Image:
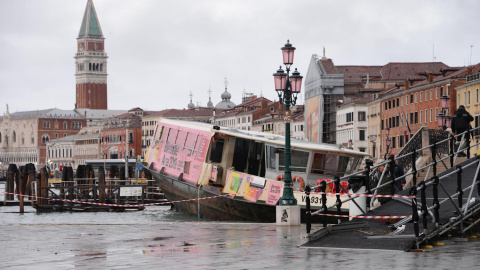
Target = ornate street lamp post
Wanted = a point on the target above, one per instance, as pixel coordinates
(287, 88)
(388, 141)
(444, 120)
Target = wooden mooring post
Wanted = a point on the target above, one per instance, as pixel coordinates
(101, 184)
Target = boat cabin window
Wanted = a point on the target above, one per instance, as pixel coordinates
(299, 160)
(271, 158)
(330, 164)
(217, 150)
(249, 157)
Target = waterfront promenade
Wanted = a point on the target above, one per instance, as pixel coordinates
(158, 238)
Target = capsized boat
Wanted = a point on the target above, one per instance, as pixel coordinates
(236, 171)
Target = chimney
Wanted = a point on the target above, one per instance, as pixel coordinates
(407, 84)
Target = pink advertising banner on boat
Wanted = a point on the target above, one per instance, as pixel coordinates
(274, 192)
(183, 150)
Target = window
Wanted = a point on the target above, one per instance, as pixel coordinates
(402, 101)
(56, 135)
(398, 102)
(361, 149)
(436, 93)
(299, 161)
(393, 142)
(217, 151)
(426, 95)
(349, 117)
(401, 141)
(389, 104)
(386, 105)
(416, 117)
(421, 95)
(45, 139)
(14, 136)
(441, 91)
(416, 97)
(361, 116)
(477, 96)
(421, 116)
(468, 98)
(411, 99)
(431, 112)
(65, 125)
(411, 118)
(476, 131)
(426, 116)
(431, 94)
(362, 134)
(406, 100)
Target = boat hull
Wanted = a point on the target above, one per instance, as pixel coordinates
(184, 196)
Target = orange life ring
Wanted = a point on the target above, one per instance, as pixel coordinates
(299, 179)
(332, 187)
(280, 177)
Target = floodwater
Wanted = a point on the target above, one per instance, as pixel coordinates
(158, 238)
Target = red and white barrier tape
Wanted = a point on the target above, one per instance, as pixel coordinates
(364, 217)
(203, 198)
(364, 195)
(120, 205)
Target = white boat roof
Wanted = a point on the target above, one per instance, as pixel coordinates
(267, 138)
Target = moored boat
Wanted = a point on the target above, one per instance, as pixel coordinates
(237, 170)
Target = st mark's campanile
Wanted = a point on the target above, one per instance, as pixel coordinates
(91, 63)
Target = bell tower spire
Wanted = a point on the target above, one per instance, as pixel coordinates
(91, 63)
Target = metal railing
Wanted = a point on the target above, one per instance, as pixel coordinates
(443, 150)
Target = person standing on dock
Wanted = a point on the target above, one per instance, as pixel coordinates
(398, 173)
(461, 123)
(379, 180)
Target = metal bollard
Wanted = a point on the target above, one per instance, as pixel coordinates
(323, 188)
(339, 201)
(415, 217)
(308, 214)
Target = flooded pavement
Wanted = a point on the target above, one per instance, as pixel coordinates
(158, 238)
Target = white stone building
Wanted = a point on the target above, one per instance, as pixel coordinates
(352, 125)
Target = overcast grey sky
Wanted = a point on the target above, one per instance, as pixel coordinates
(159, 51)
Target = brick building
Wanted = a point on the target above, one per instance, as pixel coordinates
(24, 134)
